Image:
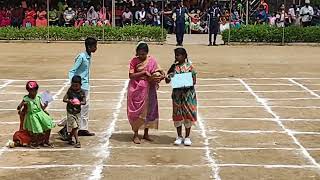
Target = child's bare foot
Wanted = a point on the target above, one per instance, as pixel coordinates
(147, 137)
(136, 140)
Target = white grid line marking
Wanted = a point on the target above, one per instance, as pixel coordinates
(211, 130)
(1, 87)
(208, 155)
(305, 88)
(175, 166)
(159, 147)
(277, 118)
(104, 152)
(199, 99)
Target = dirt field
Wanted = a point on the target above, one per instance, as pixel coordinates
(258, 115)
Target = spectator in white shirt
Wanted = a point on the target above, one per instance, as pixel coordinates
(68, 16)
(306, 14)
(127, 17)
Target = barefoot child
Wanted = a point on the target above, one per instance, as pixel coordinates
(37, 122)
(142, 102)
(74, 98)
(184, 100)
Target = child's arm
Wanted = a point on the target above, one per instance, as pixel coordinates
(194, 75)
(44, 106)
(22, 104)
(75, 67)
(65, 99)
(170, 73)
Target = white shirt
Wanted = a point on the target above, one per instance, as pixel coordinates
(303, 12)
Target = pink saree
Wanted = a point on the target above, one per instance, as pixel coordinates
(142, 102)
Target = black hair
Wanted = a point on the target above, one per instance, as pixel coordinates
(76, 79)
(142, 47)
(90, 41)
(181, 51)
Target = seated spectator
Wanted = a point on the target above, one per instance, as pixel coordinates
(272, 19)
(156, 15)
(261, 16)
(68, 17)
(141, 15)
(29, 19)
(224, 25)
(6, 17)
(195, 25)
(306, 13)
(41, 20)
(53, 17)
(104, 17)
(282, 18)
(127, 17)
(92, 17)
(292, 14)
(149, 19)
(265, 5)
(80, 17)
(235, 19)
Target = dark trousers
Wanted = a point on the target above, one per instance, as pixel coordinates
(213, 29)
(306, 24)
(16, 22)
(180, 26)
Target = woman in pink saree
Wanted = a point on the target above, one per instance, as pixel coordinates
(142, 108)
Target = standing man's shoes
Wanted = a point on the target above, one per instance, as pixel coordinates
(85, 133)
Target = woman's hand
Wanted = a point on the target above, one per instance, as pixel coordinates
(147, 73)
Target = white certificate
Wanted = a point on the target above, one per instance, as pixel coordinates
(46, 97)
(182, 80)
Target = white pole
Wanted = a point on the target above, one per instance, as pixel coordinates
(230, 21)
(247, 12)
(113, 13)
(104, 11)
(283, 30)
(162, 21)
(48, 24)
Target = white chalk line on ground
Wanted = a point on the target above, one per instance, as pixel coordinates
(199, 99)
(208, 130)
(1, 87)
(305, 153)
(104, 152)
(169, 108)
(165, 92)
(244, 118)
(175, 166)
(208, 154)
(304, 88)
(159, 148)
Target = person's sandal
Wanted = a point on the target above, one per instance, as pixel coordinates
(34, 146)
(49, 145)
(70, 142)
(77, 145)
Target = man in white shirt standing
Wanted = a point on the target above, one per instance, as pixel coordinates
(306, 14)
